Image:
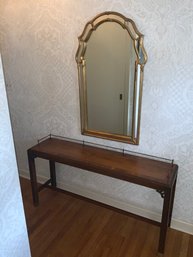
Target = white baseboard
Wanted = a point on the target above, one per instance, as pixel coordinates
(103, 198)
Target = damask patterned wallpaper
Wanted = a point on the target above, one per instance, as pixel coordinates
(13, 232)
(39, 42)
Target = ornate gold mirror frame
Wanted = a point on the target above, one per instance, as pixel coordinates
(141, 58)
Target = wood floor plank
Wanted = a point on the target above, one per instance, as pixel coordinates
(190, 247)
(66, 226)
(184, 245)
(151, 242)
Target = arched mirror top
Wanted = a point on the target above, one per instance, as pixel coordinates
(126, 23)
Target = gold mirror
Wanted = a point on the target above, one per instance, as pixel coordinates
(110, 60)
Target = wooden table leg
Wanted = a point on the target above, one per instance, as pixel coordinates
(172, 202)
(33, 178)
(52, 173)
(165, 220)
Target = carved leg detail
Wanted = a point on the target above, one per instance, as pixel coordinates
(161, 192)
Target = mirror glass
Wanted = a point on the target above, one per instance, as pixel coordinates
(110, 61)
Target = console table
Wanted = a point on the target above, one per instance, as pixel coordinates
(155, 174)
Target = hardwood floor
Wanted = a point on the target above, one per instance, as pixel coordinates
(66, 226)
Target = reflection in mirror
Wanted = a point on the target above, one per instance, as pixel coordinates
(110, 60)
